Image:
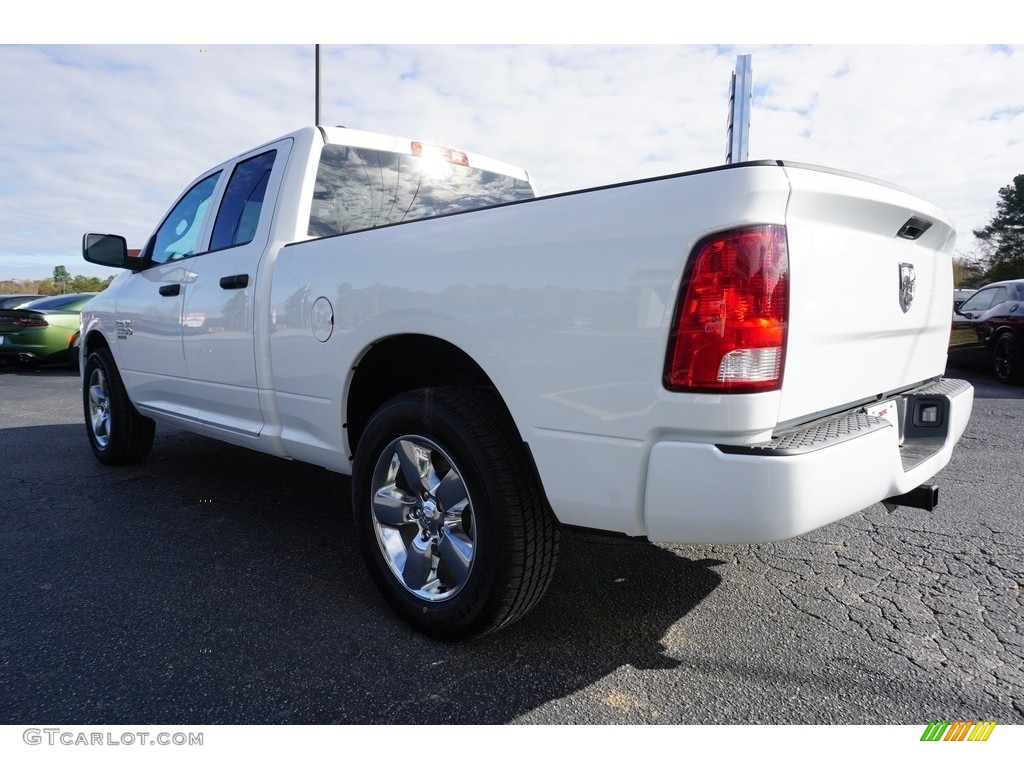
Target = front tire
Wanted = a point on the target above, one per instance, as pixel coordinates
(450, 517)
(1006, 360)
(117, 432)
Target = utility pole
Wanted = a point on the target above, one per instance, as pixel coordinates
(316, 118)
(738, 128)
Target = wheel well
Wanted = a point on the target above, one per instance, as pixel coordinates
(1007, 333)
(399, 364)
(95, 340)
(999, 334)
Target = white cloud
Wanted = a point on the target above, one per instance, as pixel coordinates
(103, 138)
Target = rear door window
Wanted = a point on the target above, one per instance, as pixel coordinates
(239, 213)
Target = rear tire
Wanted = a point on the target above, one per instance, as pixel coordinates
(1006, 360)
(117, 432)
(450, 517)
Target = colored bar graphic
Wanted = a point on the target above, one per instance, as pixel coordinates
(934, 730)
(982, 730)
(958, 730)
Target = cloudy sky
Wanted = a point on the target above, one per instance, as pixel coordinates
(104, 137)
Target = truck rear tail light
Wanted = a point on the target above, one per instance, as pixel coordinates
(729, 333)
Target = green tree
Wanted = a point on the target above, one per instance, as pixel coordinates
(61, 278)
(83, 284)
(968, 271)
(1002, 239)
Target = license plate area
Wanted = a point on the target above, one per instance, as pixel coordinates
(891, 411)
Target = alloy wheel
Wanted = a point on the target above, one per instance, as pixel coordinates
(423, 518)
(99, 408)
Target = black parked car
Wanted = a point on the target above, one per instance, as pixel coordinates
(960, 295)
(13, 300)
(989, 327)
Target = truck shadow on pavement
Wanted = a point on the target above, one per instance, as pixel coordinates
(216, 585)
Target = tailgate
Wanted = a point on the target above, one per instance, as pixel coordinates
(870, 292)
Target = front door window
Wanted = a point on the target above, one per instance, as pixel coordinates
(178, 235)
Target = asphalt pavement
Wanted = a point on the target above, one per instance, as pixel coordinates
(216, 585)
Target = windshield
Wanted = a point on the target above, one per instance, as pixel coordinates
(365, 188)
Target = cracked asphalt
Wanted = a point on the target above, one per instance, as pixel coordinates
(215, 585)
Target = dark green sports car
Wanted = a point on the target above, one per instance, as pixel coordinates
(43, 331)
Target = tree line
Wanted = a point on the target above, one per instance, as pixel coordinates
(1000, 254)
(60, 282)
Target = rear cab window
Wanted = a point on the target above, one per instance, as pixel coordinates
(359, 188)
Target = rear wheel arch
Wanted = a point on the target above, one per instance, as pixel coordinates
(404, 363)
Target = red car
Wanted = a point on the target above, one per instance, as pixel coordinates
(989, 328)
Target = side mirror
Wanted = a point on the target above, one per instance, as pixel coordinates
(108, 251)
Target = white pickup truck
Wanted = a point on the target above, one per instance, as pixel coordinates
(731, 355)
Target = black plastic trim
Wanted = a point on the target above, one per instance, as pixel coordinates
(231, 282)
(914, 228)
